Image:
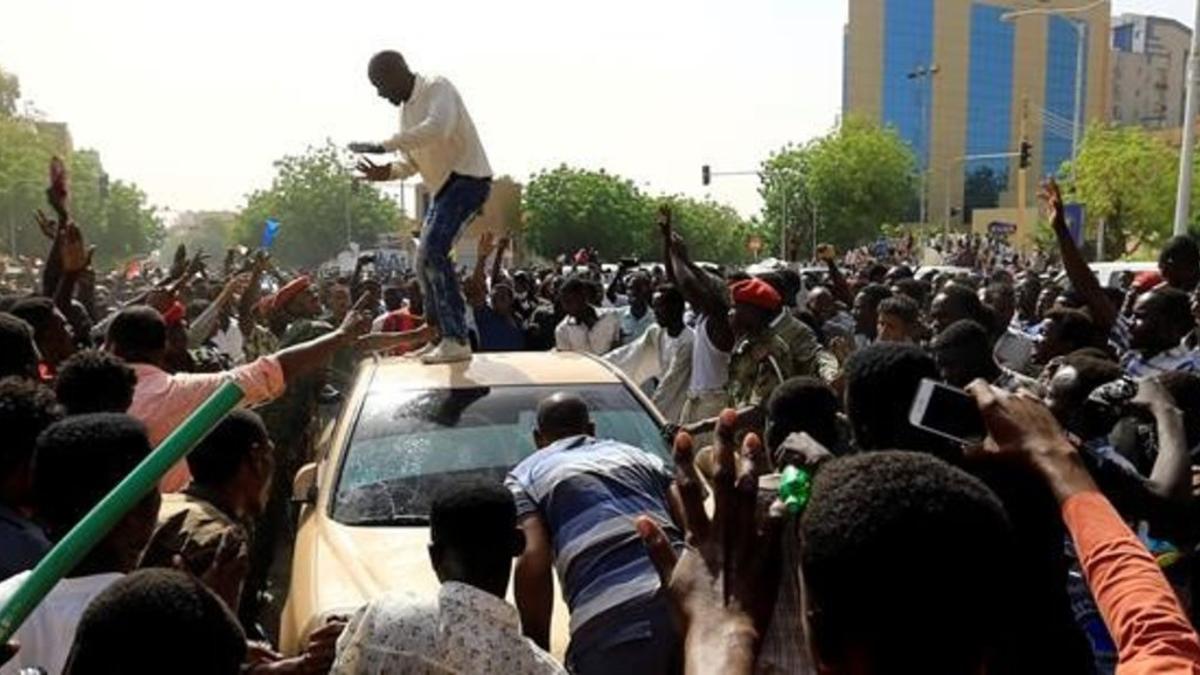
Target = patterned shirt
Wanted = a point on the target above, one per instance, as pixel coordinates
(468, 631)
(1175, 359)
(588, 491)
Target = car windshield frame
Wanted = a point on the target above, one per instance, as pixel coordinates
(347, 444)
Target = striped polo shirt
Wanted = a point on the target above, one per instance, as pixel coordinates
(588, 491)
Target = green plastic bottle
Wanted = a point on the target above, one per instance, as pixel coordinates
(795, 487)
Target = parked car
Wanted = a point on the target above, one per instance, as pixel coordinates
(407, 430)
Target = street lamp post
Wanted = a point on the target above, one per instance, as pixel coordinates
(925, 75)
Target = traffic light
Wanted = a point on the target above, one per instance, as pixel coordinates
(1026, 150)
(706, 174)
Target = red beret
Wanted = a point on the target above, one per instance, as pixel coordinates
(1144, 281)
(290, 290)
(756, 292)
(174, 314)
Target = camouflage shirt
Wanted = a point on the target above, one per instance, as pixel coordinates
(801, 341)
(757, 365)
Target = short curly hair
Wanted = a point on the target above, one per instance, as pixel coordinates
(26, 410)
(152, 617)
(94, 380)
(878, 576)
(881, 381)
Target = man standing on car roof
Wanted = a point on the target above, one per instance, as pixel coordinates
(437, 139)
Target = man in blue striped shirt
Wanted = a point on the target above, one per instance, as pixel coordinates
(577, 498)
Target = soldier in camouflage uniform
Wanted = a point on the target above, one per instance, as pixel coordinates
(761, 358)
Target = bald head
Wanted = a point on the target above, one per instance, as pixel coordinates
(389, 72)
(562, 415)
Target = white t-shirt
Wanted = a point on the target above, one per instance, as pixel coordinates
(710, 365)
(49, 631)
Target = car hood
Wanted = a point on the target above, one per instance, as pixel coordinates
(355, 564)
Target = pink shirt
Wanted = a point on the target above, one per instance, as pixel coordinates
(162, 400)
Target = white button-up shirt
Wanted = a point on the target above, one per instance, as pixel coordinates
(437, 136)
(467, 631)
(572, 336)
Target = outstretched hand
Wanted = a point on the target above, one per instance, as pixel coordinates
(357, 321)
(663, 219)
(73, 255)
(372, 171)
(1052, 195)
(726, 581)
(1021, 428)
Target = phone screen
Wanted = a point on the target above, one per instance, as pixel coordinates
(953, 412)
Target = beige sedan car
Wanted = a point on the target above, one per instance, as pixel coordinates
(406, 431)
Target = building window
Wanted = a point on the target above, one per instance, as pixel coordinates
(908, 45)
(1059, 105)
(989, 106)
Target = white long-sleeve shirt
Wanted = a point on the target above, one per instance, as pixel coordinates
(437, 136)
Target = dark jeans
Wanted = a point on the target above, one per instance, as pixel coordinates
(631, 639)
(459, 200)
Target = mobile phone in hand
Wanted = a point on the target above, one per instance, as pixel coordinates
(948, 412)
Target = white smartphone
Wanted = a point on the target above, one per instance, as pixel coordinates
(948, 412)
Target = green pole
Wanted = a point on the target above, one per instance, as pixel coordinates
(67, 553)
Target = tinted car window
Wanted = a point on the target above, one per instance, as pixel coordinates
(407, 444)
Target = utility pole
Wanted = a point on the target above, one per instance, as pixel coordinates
(1023, 166)
(1183, 197)
(924, 76)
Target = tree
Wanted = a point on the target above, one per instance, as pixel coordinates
(567, 209)
(847, 184)
(713, 231)
(10, 92)
(982, 189)
(24, 158)
(1126, 177)
(208, 231)
(318, 204)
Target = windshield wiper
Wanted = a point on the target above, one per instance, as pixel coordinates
(399, 520)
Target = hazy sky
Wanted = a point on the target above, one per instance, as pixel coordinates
(195, 100)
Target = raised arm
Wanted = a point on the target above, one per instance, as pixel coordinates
(206, 324)
(1082, 279)
(250, 295)
(704, 293)
(1171, 475)
(837, 281)
(308, 357)
(475, 289)
(498, 261)
(664, 227)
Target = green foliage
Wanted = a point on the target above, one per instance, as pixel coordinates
(208, 231)
(567, 209)
(10, 92)
(24, 158)
(846, 184)
(714, 232)
(316, 200)
(118, 222)
(1126, 177)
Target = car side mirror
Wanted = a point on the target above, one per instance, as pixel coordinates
(304, 486)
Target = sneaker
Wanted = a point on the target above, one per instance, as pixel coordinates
(423, 349)
(448, 351)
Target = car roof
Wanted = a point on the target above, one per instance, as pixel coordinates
(492, 369)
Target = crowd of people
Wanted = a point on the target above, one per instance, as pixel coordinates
(1063, 543)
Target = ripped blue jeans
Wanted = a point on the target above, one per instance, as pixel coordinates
(459, 200)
